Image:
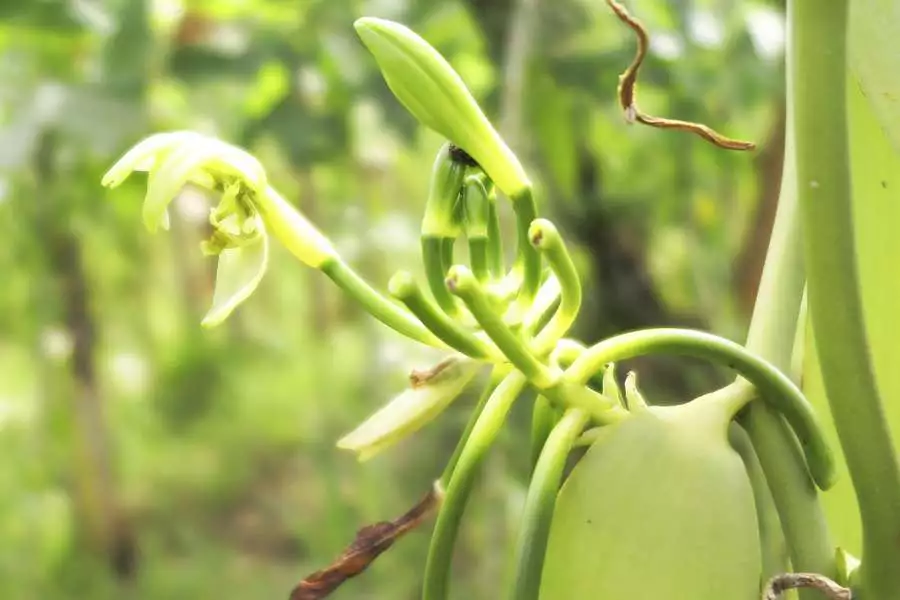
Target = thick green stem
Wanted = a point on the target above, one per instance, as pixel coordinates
(377, 305)
(771, 538)
(771, 336)
(459, 487)
(537, 515)
(823, 173)
(775, 386)
(497, 375)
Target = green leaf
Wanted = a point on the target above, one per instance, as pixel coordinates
(875, 61)
(238, 273)
(876, 185)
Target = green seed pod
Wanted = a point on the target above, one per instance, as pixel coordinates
(659, 507)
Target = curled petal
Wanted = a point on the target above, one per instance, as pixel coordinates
(170, 175)
(196, 158)
(144, 156)
(238, 273)
(412, 409)
(231, 160)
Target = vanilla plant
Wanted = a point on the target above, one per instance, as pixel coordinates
(667, 501)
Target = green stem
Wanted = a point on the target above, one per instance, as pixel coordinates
(546, 238)
(545, 305)
(776, 387)
(771, 538)
(376, 304)
(497, 375)
(478, 258)
(459, 487)
(771, 336)
(544, 417)
(526, 211)
(537, 514)
(434, 251)
(462, 283)
(403, 287)
(823, 173)
(495, 240)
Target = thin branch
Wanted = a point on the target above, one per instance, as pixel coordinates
(628, 82)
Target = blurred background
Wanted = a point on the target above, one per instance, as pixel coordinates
(145, 457)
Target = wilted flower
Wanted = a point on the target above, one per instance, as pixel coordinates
(427, 397)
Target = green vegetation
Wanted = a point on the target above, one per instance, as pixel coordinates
(281, 147)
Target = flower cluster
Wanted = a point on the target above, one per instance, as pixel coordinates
(511, 318)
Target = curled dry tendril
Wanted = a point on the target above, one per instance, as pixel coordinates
(628, 81)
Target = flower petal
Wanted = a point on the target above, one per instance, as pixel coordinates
(144, 155)
(238, 162)
(238, 273)
(170, 176)
(410, 410)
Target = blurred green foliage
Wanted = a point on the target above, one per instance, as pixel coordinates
(147, 457)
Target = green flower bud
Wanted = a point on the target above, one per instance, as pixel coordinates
(430, 393)
(425, 83)
(659, 507)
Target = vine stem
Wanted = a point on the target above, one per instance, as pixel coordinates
(391, 314)
(771, 335)
(823, 172)
(537, 515)
(461, 480)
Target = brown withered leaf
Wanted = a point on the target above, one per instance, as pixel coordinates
(369, 543)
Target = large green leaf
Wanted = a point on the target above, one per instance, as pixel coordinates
(875, 60)
(876, 204)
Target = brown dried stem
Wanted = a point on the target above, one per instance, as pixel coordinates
(628, 82)
(791, 581)
(370, 542)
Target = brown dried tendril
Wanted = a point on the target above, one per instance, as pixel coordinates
(628, 82)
